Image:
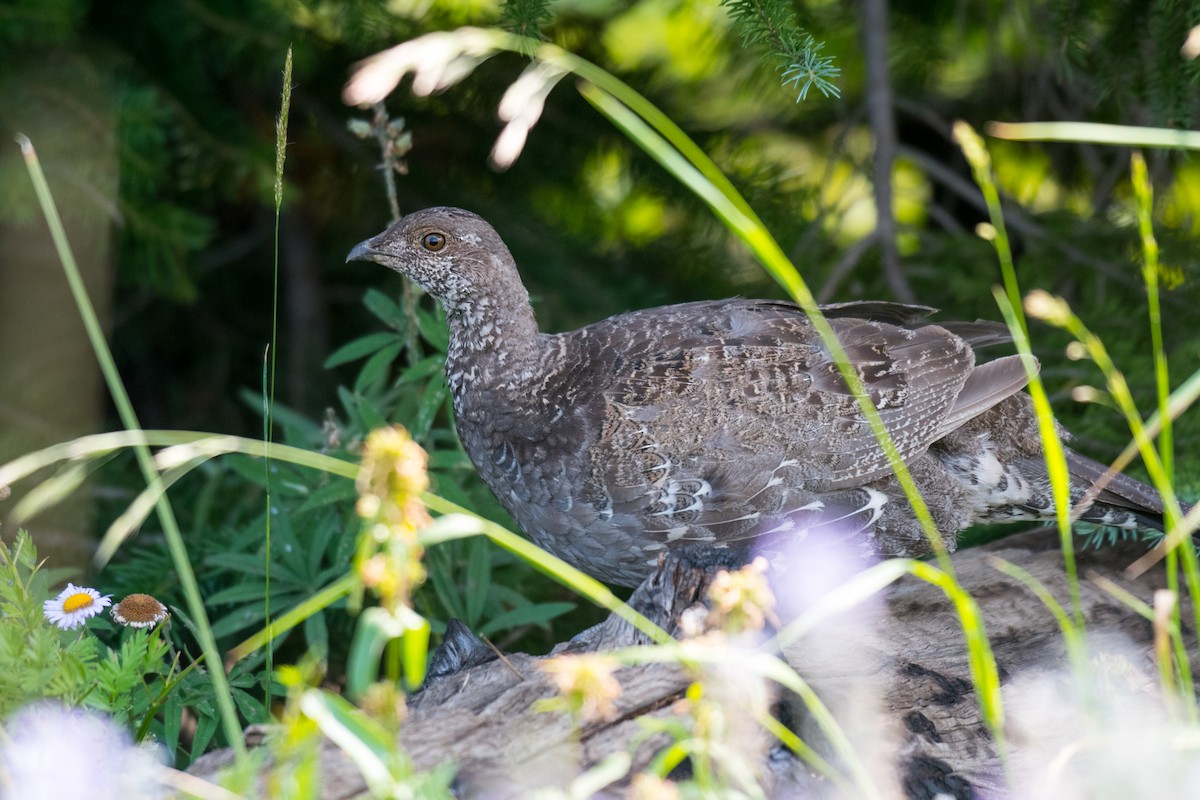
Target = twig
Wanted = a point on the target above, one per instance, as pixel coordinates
(845, 266)
(390, 164)
(1016, 219)
(883, 127)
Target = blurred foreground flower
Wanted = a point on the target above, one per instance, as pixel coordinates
(441, 59)
(645, 786)
(438, 61)
(742, 599)
(74, 605)
(139, 611)
(392, 478)
(586, 685)
(59, 753)
(390, 484)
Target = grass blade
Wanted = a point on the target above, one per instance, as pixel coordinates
(116, 388)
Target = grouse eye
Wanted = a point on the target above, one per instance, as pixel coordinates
(433, 242)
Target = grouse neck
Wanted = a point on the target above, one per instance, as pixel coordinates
(493, 343)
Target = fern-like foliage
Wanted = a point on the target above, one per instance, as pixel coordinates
(771, 25)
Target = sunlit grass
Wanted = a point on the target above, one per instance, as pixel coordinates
(1159, 461)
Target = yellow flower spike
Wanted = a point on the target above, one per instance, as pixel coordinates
(392, 477)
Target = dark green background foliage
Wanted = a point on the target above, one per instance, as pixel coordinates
(596, 227)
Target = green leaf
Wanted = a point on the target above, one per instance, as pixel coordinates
(316, 634)
(385, 308)
(244, 563)
(377, 366)
(372, 417)
(206, 726)
(415, 650)
(238, 620)
(360, 348)
(433, 328)
(172, 721)
(336, 491)
(249, 707)
(248, 468)
(361, 738)
(536, 614)
(479, 578)
(376, 627)
(448, 459)
(443, 583)
(426, 367)
(431, 402)
(241, 593)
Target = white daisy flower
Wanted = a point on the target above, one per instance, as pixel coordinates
(74, 605)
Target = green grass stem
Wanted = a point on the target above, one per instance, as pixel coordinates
(1095, 133)
(1145, 207)
(269, 372)
(166, 516)
(1009, 302)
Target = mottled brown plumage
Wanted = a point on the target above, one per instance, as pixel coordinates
(724, 421)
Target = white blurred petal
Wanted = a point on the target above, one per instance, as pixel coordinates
(509, 145)
(437, 60)
(56, 752)
(521, 107)
(1191, 47)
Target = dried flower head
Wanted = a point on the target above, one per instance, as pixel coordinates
(586, 683)
(742, 599)
(74, 605)
(139, 611)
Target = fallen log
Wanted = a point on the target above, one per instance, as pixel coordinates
(895, 674)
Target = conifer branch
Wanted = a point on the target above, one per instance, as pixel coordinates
(526, 17)
(771, 25)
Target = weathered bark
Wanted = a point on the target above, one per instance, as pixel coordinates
(896, 677)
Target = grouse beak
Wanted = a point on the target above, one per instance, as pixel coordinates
(363, 252)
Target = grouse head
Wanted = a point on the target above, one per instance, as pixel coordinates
(453, 254)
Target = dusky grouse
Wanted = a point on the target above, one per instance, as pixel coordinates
(728, 420)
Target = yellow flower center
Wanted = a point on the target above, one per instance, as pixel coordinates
(77, 601)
